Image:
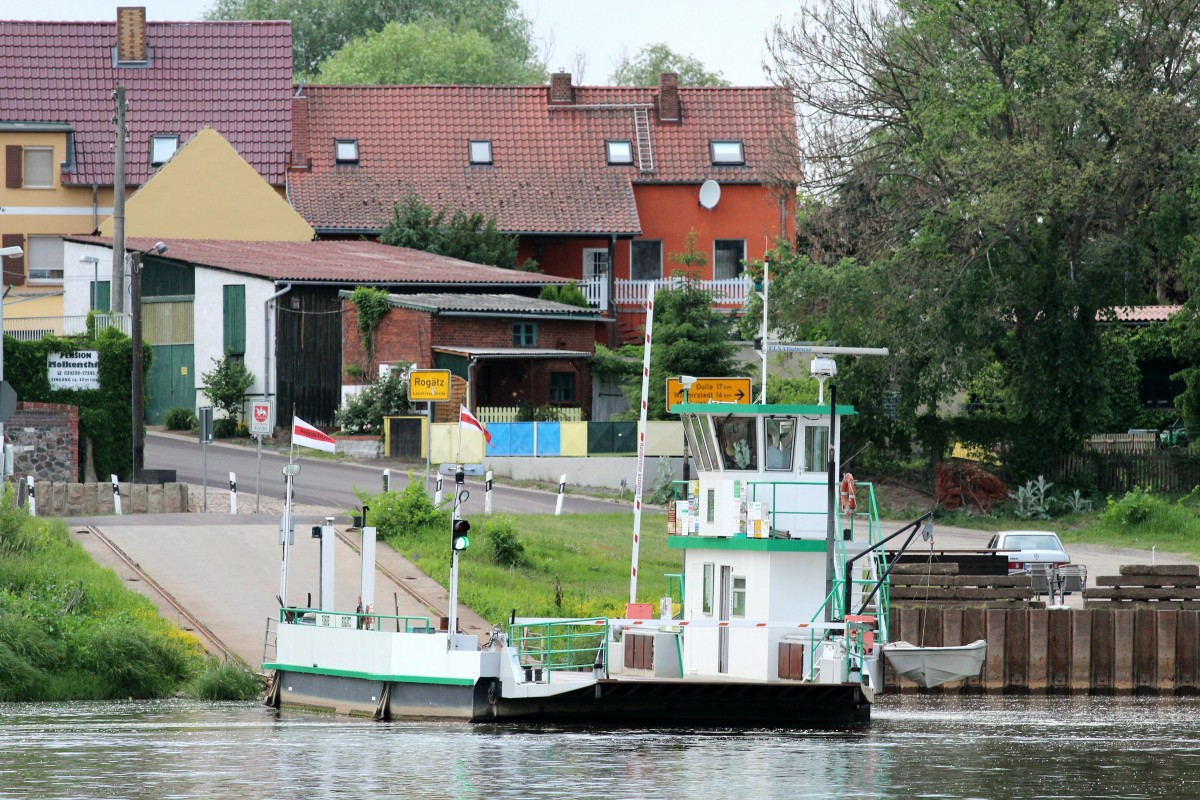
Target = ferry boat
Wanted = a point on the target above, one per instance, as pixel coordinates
(782, 609)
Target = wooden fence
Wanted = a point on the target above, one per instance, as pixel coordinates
(1172, 471)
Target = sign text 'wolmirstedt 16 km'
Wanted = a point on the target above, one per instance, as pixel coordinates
(710, 390)
(429, 384)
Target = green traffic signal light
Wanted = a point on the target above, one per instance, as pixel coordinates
(458, 535)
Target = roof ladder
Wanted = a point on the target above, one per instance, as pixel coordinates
(641, 126)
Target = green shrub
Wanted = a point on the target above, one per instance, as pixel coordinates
(507, 549)
(1033, 501)
(1134, 508)
(403, 513)
(664, 483)
(364, 413)
(180, 419)
(231, 679)
(225, 428)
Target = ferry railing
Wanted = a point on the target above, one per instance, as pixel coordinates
(560, 644)
(353, 620)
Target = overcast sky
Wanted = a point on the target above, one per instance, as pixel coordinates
(727, 37)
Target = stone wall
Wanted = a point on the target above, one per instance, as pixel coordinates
(61, 499)
(45, 440)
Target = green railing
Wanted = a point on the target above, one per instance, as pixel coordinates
(560, 644)
(351, 619)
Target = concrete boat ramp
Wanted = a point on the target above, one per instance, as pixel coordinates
(218, 575)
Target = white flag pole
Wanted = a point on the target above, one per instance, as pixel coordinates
(641, 456)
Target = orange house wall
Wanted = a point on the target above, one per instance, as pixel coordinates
(669, 213)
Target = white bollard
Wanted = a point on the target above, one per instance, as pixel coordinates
(562, 488)
(487, 493)
(116, 495)
(31, 504)
(233, 493)
(437, 495)
(387, 480)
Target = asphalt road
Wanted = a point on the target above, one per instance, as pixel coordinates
(332, 484)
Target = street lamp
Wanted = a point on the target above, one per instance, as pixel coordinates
(95, 262)
(135, 333)
(5, 252)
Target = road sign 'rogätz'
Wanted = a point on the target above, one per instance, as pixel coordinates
(429, 384)
(710, 390)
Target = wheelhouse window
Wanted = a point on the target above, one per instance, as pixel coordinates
(816, 447)
(736, 439)
(562, 387)
(481, 151)
(728, 255)
(45, 254)
(726, 152)
(37, 168)
(162, 147)
(618, 152)
(524, 334)
(645, 260)
(781, 441)
(345, 151)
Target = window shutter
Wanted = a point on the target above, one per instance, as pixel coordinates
(14, 155)
(103, 295)
(14, 268)
(235, 319)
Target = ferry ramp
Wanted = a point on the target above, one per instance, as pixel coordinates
(218, 575)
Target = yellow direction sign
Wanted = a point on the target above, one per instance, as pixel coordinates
(429, 384)
(710, 390)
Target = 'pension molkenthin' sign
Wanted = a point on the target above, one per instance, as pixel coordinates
(77, 369)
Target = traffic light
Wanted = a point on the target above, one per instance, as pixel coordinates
(458, 535)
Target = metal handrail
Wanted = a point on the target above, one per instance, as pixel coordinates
(351, 619)
(552, 645)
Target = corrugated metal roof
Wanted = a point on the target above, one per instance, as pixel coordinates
(333, 262)
(508, 305)
(1136, 314)
(512, 352)
(235, 77)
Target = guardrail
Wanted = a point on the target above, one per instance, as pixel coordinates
(560, 645)
(352, 620)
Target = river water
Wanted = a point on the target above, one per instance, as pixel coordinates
(945, 747)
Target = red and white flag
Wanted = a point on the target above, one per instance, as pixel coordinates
(467, 420)
(308, 436)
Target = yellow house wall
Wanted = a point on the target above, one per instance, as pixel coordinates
(208, 191)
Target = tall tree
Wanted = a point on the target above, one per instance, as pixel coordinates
(425, 52)
(653, 60)
(470, 237)
(1001, 169)
(322, 27)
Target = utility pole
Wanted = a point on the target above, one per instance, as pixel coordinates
(118, 263)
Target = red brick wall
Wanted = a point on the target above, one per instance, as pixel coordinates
(402, 335)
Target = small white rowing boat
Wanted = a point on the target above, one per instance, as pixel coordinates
(933, 666)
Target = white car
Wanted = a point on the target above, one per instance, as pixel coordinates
(1035, 552)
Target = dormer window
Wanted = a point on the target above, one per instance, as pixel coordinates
(727, 152)
(162, 148)
(481, 151)
(618, 151)
(345, 151)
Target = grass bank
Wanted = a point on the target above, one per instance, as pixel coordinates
(70, 630)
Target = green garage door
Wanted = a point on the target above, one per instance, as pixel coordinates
(170, 382)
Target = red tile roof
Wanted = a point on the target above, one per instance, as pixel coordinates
(1142, 314)
(333, 262)
(233, 76)
(549, 173)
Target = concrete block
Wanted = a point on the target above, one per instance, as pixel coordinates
(137, 499)
(154, 498)
(60, 498)
(74, 499)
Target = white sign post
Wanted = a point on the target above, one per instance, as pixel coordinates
(260, 426)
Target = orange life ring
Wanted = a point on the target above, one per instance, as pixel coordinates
(848, 502)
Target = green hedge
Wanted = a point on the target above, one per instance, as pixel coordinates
(105, 414)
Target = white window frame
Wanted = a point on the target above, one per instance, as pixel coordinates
(727, 152)
(592, 258)
(737, 588)
(345, 151)
(618, 152)
(479, 152)
(48, 153)
(158, 144)
(740, 265)
(34, 256)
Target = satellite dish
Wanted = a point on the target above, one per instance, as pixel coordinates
(710, 194)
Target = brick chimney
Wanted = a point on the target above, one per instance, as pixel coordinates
(132, 45)
(300, 158)
(561, 91)
(668, 97)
